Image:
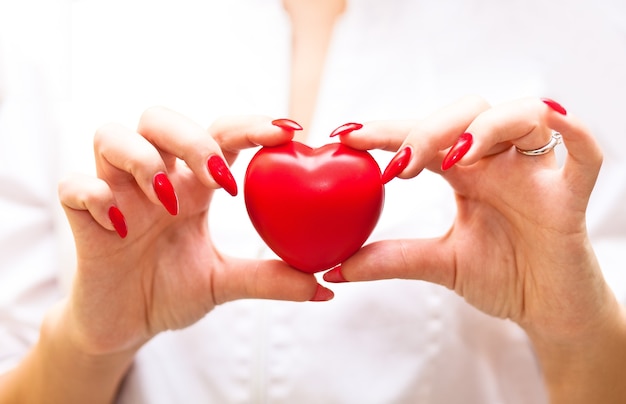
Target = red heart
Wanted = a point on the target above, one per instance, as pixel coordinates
(313, 207)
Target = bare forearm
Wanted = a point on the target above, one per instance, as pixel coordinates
(56, 371)
(590, 370)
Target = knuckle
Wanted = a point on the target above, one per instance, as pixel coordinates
(598, 157)
(144, 163)
(151, 112)
(477, 100)
(63, 187)
(219, 136)
(104, 133)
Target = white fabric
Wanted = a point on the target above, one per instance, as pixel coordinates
(378, 342)
(28, 166)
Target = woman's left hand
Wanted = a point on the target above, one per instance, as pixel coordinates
(518, 247)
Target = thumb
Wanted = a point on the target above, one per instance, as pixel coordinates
(265, 279)
(422, 259)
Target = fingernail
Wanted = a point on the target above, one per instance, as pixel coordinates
(165, 192)
(221, 174)
(346, 128)
(335, 275)
(458, 150)
(397, 164)
(322, 294)
(555, 106)
(288, 124)
(118, 221)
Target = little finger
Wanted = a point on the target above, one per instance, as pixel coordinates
(82, 194)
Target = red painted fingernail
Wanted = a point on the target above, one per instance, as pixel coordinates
(346, 128)
(457, 151)
(165, 192)
(288, 124)
(322, 294)
(397, 164)
(555, 106)
(335, 275)
(221, 174)
(118, 221)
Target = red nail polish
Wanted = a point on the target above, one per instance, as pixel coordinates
(287, 124)
(165, 192)
(346, 128)
(457, 151)
(221, 174)
(397, 164)
(555, 106)
(322, 294)
(118, 221)
(335, 275)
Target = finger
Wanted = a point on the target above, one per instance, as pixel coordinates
(235, 133)
(178, 136)
(382, 135)
(521, 123)
(266, 279)
(421, 259)
(584, 155)
(207, 152)
(426, 138)
(87, 200)
(124, 159)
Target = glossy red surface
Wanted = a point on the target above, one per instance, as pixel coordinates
(313, 207)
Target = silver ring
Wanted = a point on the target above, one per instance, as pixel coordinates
(554, 141)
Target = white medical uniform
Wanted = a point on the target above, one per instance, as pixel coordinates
(376, 342)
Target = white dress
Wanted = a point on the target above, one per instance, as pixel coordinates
(378, 342)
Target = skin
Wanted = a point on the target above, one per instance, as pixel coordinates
(518, 251)
(312, 26)
(166, 274)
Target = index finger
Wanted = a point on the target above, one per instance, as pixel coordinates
(206, 151)
(426, 138)
(235, 133)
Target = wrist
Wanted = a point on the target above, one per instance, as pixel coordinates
(586, 365)
(58, 360)
(60, 332)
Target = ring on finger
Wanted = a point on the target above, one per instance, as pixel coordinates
(554, 141)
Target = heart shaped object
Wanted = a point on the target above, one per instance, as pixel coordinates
(313, 207)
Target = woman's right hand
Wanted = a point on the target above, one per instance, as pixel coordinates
(145, 260)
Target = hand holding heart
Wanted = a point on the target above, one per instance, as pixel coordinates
(145, 260)
(518, 247)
